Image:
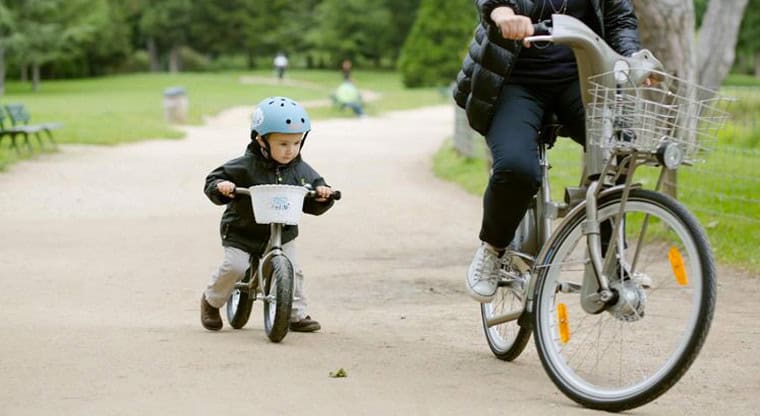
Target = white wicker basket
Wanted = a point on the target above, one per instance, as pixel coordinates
(277, 203)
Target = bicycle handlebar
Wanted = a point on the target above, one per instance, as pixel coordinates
(336, 195)
(542, 28)
(595, 58)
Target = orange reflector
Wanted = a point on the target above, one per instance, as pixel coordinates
(676, 263)
(564, 329)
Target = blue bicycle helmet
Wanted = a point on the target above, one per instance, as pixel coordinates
(279, 115)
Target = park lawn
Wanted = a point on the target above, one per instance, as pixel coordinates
(127, 108)
(717, 192)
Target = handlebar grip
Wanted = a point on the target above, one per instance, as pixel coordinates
(542, 28)
(336, 195)
(242, 191)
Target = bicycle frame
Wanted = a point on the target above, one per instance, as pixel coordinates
(255, 285)
(582, 278)
(594, 57)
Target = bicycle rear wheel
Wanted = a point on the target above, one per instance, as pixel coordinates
(641, 344)
(240, 303)
(507, 339)
(278, 300)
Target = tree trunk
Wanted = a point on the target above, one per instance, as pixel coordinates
(2, 71)
(251, 61)
(155, 65)
(717, 40)
(175, 64)
(757, 63)
(667, 29)
(35, 76)
(24, 76)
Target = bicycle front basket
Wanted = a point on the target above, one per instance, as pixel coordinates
(627, 117)
(277, 203)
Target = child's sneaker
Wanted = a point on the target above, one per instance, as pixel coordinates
(305, 325)
(483, 274)
(210, 318)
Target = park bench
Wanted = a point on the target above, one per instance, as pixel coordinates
(7, 129)
(19, 117)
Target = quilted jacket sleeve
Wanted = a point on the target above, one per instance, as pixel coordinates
(621, 26)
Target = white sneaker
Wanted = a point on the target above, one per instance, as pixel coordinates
(483, 274)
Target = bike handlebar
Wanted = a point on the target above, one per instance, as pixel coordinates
(542, 28)
(336, 195)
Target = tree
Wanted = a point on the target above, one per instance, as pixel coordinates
(748, 45)
(166, 23)
(432, 54)
(222, 26)
(404, 15)
(293, 30)
(96, 55)
(47, 30)
(6, 28)
(668, 29)
(717, 40)
(352, 29)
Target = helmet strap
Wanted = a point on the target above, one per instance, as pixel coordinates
(265, 148)
(303, 140)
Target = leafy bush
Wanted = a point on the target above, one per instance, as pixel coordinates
(137, 62)
(432, 54)
(193, 61)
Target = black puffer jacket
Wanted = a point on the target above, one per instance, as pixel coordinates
(238, 228)
(490, 57)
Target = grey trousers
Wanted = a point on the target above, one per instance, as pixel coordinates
(233, 268)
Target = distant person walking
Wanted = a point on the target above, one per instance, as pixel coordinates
(345, 67)
(280, 64)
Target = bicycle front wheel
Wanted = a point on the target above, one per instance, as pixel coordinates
(278, 299)
(641, 344)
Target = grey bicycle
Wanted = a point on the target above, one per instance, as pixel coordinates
(619, 296)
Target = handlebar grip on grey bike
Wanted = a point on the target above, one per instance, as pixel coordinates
(242, 191)
(542, 28)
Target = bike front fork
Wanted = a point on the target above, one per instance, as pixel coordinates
(595, 292)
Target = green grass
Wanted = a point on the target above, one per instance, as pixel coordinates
(128, 108)
(742, 80)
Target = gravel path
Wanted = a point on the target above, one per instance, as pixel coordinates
(106, 249)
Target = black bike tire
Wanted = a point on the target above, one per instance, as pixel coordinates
(282, 274)
(697, 338)
(240, 315)
(517, 345)
(523, 242)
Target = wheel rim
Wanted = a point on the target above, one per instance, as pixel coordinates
(608, 358)
(232, 303)
(502, 336)
(271, 299)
